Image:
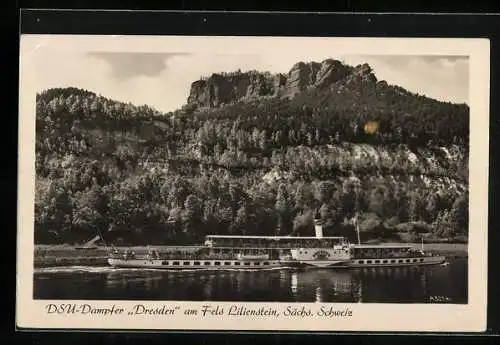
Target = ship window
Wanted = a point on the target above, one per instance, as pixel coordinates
(407, 260)
(256, 264)
(421, 260)
(400, 261)
(247, 264)
(206, 263)
(237, 263)
(361, 262)
(385, 261)
(196, 263)
(377, 261)
(414, 260)
(227, 263)
(266, 263)
(186, 263)
(217, 263)
(164, 262)
(393, 261)
(368, 261)
(175, 263)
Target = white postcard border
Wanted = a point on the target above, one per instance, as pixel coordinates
(31, 313)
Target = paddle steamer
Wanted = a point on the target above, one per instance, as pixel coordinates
(264, 252)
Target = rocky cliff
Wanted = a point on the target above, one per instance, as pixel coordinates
(226, 88)
(220, 89)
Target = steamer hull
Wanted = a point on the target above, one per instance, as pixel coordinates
(367, 263)
(193, 264)
(415, 261)
(257, 264)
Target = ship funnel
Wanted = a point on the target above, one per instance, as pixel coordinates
(318, 228)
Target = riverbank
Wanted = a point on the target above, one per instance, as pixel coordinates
(450, 250)
(67, 255)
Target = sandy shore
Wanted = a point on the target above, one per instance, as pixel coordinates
(67, 255)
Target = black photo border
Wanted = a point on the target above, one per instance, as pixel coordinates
(124, 22)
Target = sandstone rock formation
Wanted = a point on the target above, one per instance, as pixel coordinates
(225, 88)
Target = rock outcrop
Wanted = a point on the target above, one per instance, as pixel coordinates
(225, 88)
(222, 89)
(362, 73)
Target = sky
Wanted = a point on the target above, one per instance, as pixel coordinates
(162, 79)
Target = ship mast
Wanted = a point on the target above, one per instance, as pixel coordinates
(356, 206)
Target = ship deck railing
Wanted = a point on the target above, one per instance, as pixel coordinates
(273, 247)
(390, 255)
(174, 257)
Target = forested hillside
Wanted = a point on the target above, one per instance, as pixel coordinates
(257, 167)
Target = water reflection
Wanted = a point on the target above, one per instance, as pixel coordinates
(359, 293)
(294, 284)
(388, 285)
(324, 285)
(318, 294)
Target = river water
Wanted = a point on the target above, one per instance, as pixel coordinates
(444, 284)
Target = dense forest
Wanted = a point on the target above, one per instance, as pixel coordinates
(259, 167)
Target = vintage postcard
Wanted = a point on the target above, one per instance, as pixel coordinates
(253, 183)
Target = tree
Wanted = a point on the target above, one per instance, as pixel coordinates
(55, 211)
(242, 220)
(324, 191)
(459, 214)
(284, 209)
(179, 190)
(413, 207)
(378, 199)
(350, 196)
(328, 216)
(224, 216)
(443, 226)
(432, 207)
(125, 208)
(304, 197)
(237, 194)
(88, 211)
(192, 214)
(303, 224)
